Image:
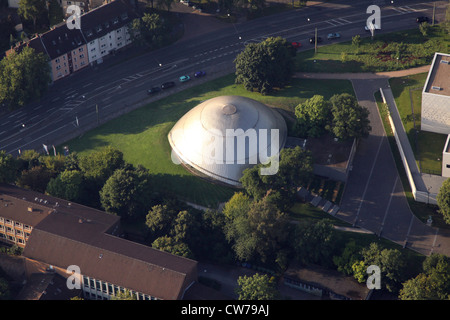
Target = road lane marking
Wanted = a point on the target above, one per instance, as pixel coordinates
(367, 183)
(388, 205)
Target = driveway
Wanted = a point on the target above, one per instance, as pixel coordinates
(374, 198)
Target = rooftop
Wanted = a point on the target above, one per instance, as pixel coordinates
(106, 18)
(61, 40)
(87, 237)
(438, 81)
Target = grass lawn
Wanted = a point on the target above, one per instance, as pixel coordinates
(427, 146)
(142, 134)
(379, 54)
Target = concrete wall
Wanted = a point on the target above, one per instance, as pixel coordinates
(419, 195)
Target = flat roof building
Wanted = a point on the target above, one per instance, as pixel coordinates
(435, 114)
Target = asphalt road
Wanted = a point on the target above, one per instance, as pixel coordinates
(120, 83)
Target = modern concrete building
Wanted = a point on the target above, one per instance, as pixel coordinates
(224, 135)
(435, 115)
(57, 234)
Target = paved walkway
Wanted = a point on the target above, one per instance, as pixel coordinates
(374, 198)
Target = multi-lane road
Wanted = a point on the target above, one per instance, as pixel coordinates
(70, 105)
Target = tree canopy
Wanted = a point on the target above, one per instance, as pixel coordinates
(265, 65)
(431, 284)
(257, 287)
(313, 115)
(443, 200)
(349, 119)
(24, 77)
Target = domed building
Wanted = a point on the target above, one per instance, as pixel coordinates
(222, 136)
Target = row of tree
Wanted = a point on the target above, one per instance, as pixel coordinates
(342, 116)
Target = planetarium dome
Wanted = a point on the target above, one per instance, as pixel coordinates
(224, 135)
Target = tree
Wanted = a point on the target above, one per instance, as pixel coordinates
(257, 287)
(295, 167)
(443, 200)
(356, 42)
(171, 245)
(24, 77)
(237, 206)
(265, 65)
(35, 178)
(424, 27)
(349, 256)
(101, 164)
(431, 284)
(390, 261)
(261, 235)
(159, 220)
(31, 9)
(125, 193)
(55, 13)
(67, 185)
(349, 119)
(314, 241)
(8, 168)
(151, 29)
(312, 116)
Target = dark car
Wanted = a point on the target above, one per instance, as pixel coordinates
(312, 40)
(199, 74)
(422, 19)
(167, 85)
(154, 90)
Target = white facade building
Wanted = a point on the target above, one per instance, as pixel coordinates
(435, 114)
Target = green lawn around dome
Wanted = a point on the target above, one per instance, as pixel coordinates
(142, 134)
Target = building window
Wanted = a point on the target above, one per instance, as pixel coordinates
(82, 56)
(81, 49)
(448, 166)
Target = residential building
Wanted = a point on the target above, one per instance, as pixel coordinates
(106, 29)
(58, 234)
(66, 49)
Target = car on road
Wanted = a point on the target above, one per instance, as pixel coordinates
(422, 19)
(376, 27)
(167, 85)
(200, 74)
(184, 78)
(296, 45)
(153, 90)
(334, 35)
(312, 40)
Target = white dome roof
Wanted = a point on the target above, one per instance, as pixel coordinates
(199, 139)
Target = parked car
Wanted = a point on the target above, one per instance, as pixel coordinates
(312, 40)
(376, 27)
(153, 90)
(296, 44)
(200, 74)
(185, 78)
(422, 19)
(167, 85)
(332, 36)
